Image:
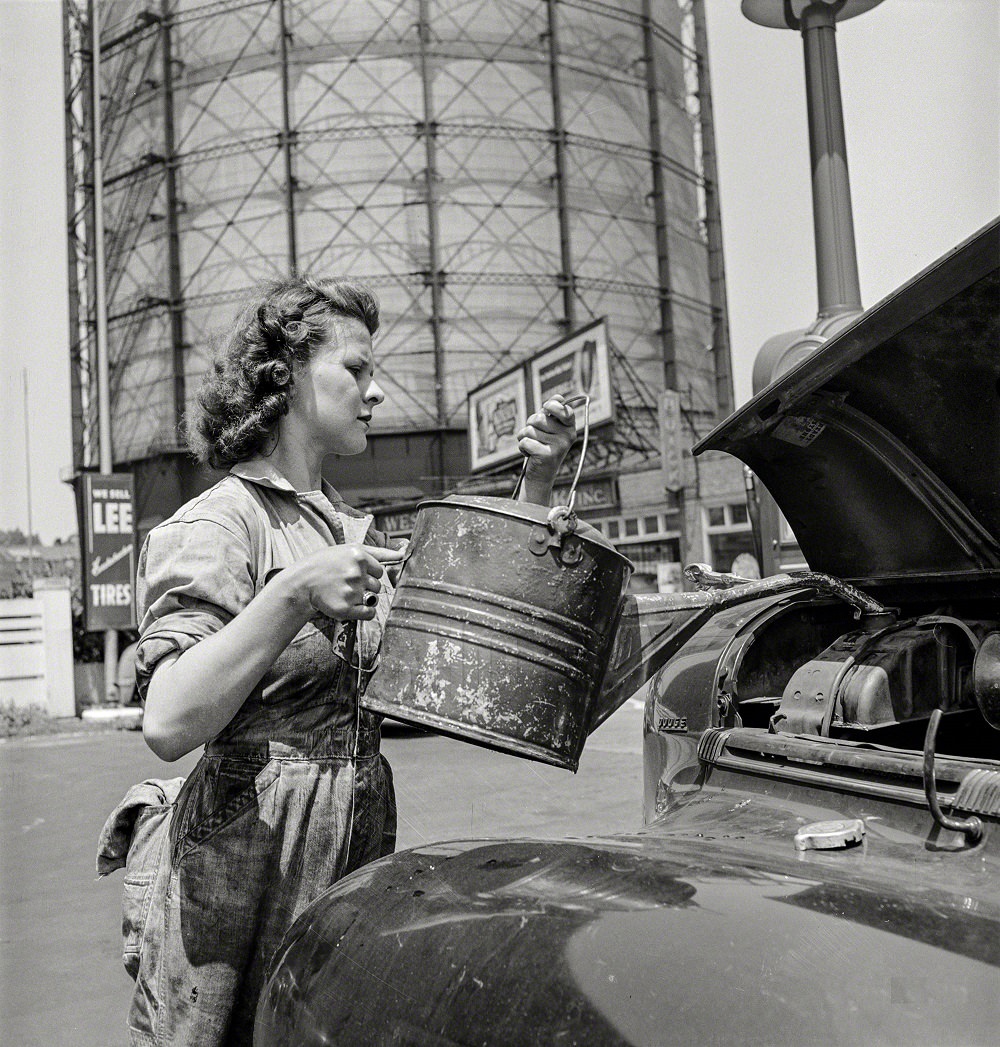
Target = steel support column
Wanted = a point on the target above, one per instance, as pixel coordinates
(666, 331)
(73, 80)
(175, 288)
(106, 447)
(287, 140)
(566, 278)
(434, 277)
(725, 395)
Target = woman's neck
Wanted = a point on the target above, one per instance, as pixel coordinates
(300, 465)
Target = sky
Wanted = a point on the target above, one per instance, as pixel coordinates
(919, 81)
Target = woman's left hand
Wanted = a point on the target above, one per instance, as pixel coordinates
(545, 441)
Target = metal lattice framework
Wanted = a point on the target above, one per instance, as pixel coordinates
(500, 171)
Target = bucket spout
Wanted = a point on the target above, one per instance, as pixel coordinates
(652, 629)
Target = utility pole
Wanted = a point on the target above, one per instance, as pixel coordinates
(27, 485)
(105, 451)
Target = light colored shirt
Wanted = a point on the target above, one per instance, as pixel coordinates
(200, 568)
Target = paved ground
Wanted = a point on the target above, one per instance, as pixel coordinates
(61, 980)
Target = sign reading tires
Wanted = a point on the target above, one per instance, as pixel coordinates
(108, 551)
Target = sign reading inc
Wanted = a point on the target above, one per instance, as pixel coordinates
(109, 551)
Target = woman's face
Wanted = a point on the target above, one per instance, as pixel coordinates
(336, 391)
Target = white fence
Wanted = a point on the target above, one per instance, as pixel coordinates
(36, 650)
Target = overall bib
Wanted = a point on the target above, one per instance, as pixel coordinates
(292, 795)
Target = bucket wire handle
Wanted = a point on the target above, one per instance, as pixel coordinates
(573, 401)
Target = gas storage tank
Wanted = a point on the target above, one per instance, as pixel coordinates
(499, 172)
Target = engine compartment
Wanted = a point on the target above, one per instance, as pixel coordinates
(815, 668)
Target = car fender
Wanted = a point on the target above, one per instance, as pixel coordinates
(639, 939)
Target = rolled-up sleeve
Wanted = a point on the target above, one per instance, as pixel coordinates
(194, 576)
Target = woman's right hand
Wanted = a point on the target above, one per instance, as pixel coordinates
(335, 581)
(192, 696)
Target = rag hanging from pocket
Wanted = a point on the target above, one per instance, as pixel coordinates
(132, 838)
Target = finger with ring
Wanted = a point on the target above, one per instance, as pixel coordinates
(370, 599)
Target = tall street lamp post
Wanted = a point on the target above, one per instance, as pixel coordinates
(838, 287)
(839, 291)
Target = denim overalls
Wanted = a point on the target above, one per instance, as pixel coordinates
(292, 795)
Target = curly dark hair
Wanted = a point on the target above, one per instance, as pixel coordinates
(252, 378)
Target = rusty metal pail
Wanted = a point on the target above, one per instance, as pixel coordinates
(501, 627)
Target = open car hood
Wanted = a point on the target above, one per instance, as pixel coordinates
(882, 449)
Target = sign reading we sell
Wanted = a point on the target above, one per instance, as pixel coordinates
(108, 551)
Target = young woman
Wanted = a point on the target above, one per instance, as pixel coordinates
(262, 603)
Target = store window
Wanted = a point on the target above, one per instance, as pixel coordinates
(646, 555)
(651, 541)
(730, 539)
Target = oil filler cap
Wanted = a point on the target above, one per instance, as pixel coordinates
(829, 836)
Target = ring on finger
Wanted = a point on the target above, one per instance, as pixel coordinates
(370, 599)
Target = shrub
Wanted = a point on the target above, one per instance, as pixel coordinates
(23, 719)
(87, 647)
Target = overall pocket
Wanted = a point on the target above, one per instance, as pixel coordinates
(223, 789)
(139, 886)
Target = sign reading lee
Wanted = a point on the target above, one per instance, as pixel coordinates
(671, 443)
(108, 551)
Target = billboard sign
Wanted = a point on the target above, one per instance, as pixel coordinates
(497, 411)
(577, 364)
(108, 515)
(590, 494)
(499, 408)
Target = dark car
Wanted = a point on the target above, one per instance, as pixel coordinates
(820, 860)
